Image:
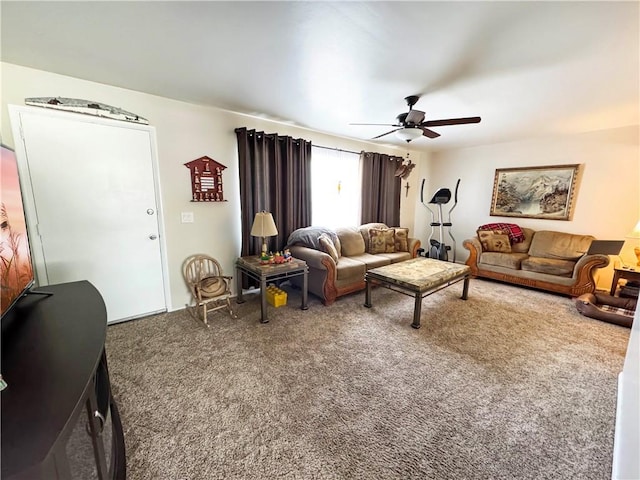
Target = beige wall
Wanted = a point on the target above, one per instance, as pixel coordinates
(184, 132)
(607, 204)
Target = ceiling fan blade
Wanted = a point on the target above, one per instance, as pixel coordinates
(450, 121)
(378, 124)
(429, 133)
(395, 130)
(414, 116)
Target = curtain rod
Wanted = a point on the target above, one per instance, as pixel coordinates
(391, 157)
(336, 149)
(280, 137)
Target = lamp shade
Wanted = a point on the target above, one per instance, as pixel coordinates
(409, 134)
(263, 225)
(635, 233)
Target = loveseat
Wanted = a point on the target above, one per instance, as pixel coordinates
(338, 259)
(547, 260)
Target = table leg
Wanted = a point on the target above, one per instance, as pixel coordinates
(417, 310)
(614, 282)
(305, 288)
(239, 297)
(263, 300)
(465, 288)
(367, 293)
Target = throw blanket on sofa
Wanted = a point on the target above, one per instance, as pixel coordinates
(308, 237)
(516, 235)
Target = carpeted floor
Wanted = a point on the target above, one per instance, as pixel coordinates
(512, 383)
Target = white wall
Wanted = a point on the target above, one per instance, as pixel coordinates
(607, 203)
(184, 132)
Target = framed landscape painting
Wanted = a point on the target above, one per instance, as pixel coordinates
(535, 192)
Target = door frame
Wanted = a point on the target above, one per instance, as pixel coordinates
(35, 242)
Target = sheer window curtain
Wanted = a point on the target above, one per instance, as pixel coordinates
(275, 175)
(380, 188)
(336, 181)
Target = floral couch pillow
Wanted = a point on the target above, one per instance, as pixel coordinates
(494, 241)
(401, 236)
(382, 240)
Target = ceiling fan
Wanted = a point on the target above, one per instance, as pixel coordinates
(412, 125)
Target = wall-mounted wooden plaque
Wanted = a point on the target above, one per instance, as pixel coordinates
(206, 180)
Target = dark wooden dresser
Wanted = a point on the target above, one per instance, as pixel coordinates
(59, 419)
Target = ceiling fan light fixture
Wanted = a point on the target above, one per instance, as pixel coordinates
(409, 133)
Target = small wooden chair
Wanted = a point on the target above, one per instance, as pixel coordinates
(209, 288)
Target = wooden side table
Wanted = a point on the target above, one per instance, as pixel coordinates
(629, 273)
(252, 268)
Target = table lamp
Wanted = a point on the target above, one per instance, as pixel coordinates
(264, 226)
(635, 233)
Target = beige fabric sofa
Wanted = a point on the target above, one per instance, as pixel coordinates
(328, 278)
(547, 260)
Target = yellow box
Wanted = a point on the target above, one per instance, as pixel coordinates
(275, 296)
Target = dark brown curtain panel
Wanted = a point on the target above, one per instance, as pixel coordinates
(380, 188)
(275, 175)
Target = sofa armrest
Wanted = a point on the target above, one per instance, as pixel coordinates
(475, 250)
(589, 262)
(583, 273)
(323, 272)
(414, 245)
(314, 258)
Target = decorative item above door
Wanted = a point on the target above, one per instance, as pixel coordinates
(206, 180)
(87, 107)
(535, 192)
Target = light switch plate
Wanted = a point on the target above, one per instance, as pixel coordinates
(187, 217)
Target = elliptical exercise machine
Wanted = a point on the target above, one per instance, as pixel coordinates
(437, 248)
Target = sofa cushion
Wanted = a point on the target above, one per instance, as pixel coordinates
(559, 245)
(552, 266)
(396, 256)
(372, 261)
(364, 231)
(328, 246)
(351, 241)
(401, 236)
(523, 247)
(382, 240)
(494, 242)
(508, 260)
(348, 268)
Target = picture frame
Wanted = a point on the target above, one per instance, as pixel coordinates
(546, 192)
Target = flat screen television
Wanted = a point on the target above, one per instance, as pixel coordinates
(15, 254)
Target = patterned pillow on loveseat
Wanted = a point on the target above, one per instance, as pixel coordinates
(494, 241)
(382, 240)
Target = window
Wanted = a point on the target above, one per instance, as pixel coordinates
(335, 188)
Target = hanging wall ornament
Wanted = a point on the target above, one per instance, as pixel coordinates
(206, 180)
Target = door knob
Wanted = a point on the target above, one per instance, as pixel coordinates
(153, 237)
(150, 211)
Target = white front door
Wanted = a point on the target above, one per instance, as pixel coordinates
(95, 209)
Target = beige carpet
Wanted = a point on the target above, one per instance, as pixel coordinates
(512, 383)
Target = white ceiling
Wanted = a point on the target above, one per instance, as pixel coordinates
(527, 68)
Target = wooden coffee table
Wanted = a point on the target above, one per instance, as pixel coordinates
(419, 278)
